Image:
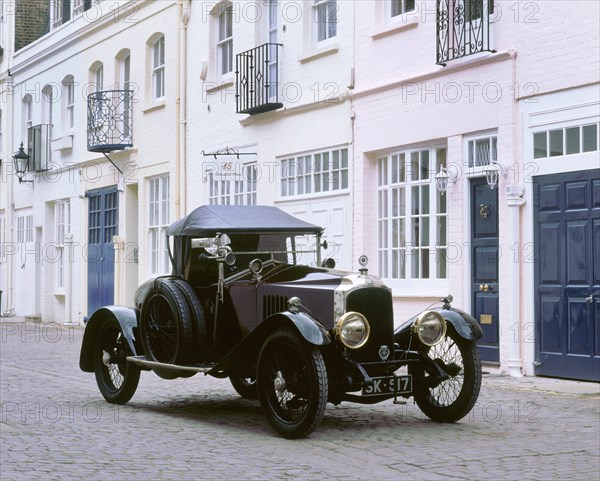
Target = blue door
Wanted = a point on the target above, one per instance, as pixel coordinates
(567, 277)
(103, 222)
(484, 266)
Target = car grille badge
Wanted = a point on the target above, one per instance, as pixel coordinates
(384, 353)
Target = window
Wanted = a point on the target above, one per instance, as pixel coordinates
(475, 9)
(565, 141)
(235, 186)
(24, 228)
(61, 227)
(158, 223)
(158, 69)
(98, 78)
(225, 41)
(399, 7)
(69, 102)
(315, 173)
(412, 217)
(325, 18)
(126, 85)
(482, 151)
(27, 115)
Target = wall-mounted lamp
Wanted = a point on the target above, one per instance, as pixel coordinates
(443, 177)
(21, 160)
(493, 172)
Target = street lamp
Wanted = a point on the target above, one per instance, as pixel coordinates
(21, 160)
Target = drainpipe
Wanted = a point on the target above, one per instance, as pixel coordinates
(8, 294)
(515, 201)
(181, 103)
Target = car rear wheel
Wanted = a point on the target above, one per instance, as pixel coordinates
(166, 327)
(453, 398)
(292, 384)
(117, 379)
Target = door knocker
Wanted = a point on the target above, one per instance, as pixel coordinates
(485, 211)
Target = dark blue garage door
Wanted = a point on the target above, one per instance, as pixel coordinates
(567, 280)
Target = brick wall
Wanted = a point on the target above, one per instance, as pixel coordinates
(32, 19)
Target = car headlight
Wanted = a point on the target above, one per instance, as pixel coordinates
(430, 327)
(353, 330)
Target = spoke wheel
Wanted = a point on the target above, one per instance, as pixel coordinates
(166, 328)
(117, 379)
(453, 398)
(292, 384)
(244, 386)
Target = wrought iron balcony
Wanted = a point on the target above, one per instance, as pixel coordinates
(110, 115)
(39, 138)
(257, 80)
(463, 28)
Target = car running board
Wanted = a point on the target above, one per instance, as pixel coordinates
(143, 362)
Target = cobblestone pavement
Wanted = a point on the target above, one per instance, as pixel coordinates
(55, 425)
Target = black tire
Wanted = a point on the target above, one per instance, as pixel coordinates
(199, 324)
(244, 386)
(453, 398)
(165, 325)
(117, 379)
(292, 384)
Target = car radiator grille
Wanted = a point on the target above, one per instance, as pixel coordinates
(375, 304)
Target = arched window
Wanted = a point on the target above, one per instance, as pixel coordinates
(158, 69)
(224, 40)
(27, 115)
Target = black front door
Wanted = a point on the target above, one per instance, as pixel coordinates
(484, 266)
(567, 274)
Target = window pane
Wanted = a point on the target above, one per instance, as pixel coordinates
(556, 143)
(540, 148)
(441, 263)
(414, 166)
(441, 232)
(424, 164)
(402, 174)
(590, 138)
(415, 200)
(425, 199)
(573, 140)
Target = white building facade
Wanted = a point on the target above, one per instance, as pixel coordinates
(443, 139)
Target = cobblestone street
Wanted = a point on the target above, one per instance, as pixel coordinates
(55, 425)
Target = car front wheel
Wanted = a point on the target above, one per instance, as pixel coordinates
(117, 379)
(453, 398)
(292, 384)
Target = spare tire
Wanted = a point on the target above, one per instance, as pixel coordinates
(199, 324)
(166, 324)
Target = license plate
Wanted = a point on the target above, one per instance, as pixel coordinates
(385, 385)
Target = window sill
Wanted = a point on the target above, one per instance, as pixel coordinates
(396, 27)
(319, 53)
(60, 293)
(156, 106)
(63, 143)
(226, 82)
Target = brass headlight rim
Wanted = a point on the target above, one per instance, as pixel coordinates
(340, 322)
(420, 318)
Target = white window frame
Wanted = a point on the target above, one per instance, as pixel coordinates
(24, 228)
(158, 69)
(69, 92)
(547, 132)
(27, 115)
(62, 226)
(476, 158)
(2, 240)
(224, 42)
(234, 184)
(325, 19)
(1, 146)
(395, 214)
(158, 223)
(317, 173)
(125, 73)
(99, 78)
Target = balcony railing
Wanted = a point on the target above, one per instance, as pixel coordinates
(257, 80)
(463, 28)
(110, 115)
(39, 138)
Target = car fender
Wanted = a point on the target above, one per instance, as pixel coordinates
(246, 352)
(464, 324)
(127, 319)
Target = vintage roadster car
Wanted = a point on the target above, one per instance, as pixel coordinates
(251, 299)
